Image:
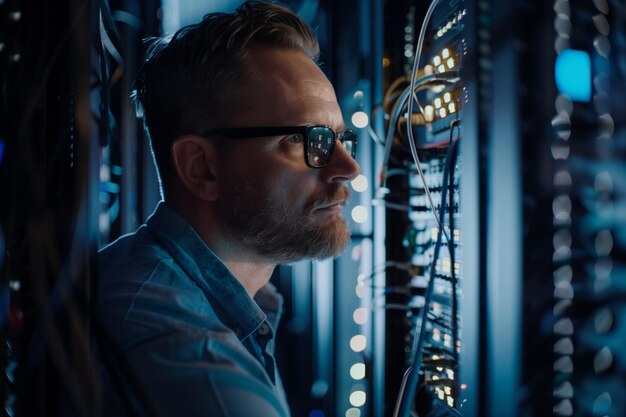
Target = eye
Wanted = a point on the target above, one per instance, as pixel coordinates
(295, 139)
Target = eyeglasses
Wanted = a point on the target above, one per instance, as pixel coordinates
(319, 141)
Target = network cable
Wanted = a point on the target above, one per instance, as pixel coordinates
(423, 82)
(411, 377)
(420, 44)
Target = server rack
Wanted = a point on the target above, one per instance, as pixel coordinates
(541, 247)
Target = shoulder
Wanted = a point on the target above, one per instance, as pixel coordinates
(142, 292)
(172, 340)
(134, 250)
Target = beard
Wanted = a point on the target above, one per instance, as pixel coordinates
(269, 226)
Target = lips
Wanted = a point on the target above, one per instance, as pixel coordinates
(334, 201)
(338, 204)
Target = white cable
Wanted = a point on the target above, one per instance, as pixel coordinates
(418, 50)
(423, 82)
(409, 119)
(402, 408)
(374, 136)
(402, 390)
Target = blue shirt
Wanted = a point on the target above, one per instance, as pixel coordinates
(195, 340)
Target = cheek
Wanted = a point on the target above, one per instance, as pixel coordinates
(295, 189)
(274, 175)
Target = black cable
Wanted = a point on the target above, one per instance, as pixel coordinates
(109, 73)
(452, 251)
(124, 380)
(407, 393)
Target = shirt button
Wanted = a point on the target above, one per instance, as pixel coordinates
(263, 329)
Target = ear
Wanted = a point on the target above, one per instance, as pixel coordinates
(195, 164)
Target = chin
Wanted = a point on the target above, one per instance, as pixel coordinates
(325, 242)
(337, 236)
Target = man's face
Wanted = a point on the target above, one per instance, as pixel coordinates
(270, 201)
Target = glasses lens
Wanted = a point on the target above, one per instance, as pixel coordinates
(321, 141)
(348, 140)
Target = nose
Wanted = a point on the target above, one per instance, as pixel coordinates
(342, 166)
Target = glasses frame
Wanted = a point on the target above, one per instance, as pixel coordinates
(267, 131)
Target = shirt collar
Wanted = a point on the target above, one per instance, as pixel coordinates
(226, 294)
(271, 302)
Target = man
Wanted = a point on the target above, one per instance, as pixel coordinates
(253, 158)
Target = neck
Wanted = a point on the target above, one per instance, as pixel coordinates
(252, 274)
(252, 271)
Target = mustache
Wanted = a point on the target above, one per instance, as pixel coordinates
(338, 194)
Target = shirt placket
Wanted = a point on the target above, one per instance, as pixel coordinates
(262, 337)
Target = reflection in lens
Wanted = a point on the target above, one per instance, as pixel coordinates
(348, 140)
(320, 143)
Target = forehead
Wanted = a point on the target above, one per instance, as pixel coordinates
(288, 88)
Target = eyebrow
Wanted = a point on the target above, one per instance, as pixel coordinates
(263, 131)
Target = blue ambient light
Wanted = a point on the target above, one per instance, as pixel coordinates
(572, 72)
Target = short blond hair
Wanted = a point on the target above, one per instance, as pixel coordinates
(194, 80)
